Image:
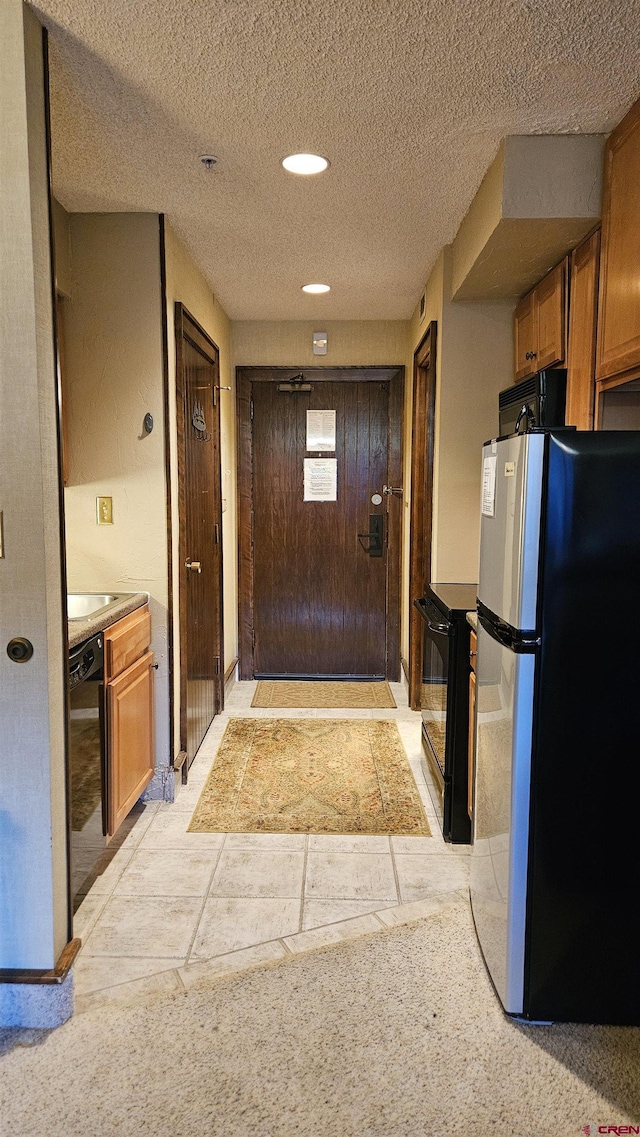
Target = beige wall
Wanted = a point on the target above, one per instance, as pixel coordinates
(287, 343)
(185, 283)
(62, 244)
(114, 375)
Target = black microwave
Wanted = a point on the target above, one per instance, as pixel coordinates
(536, 401)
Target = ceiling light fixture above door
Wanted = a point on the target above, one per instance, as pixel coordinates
(316, 289)
(305, 164)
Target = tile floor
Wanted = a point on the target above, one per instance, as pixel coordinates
(174, 900)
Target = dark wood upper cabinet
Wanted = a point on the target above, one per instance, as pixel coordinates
(540, 324)
(618, 350)
(581, 354)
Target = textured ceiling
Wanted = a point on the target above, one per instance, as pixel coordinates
(408, 100)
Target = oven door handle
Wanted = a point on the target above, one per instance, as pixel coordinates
(420, 604)
(443, 628)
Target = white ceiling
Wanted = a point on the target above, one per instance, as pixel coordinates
(407, 99)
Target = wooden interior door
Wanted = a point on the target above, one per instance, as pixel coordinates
(319, 598)
(200, 527)
(422, 453)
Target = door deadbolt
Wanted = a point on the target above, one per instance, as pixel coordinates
(193, 566)
(19, 650)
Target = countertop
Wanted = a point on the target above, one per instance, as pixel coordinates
(80, 630)
(472, 618)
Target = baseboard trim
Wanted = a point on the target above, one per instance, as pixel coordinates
(57, 974)
(230, 670)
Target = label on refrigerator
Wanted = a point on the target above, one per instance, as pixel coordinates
(489, 485)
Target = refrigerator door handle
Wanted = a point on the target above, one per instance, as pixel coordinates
(521, 643)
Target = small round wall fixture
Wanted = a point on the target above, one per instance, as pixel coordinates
(316, 289)
(305, 164)
(208, 161)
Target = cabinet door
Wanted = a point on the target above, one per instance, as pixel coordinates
(130, 750)
(581, 354)
(550, 301)
(619, 309)
(525, 335)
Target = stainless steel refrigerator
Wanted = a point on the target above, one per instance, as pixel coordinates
(555, 873)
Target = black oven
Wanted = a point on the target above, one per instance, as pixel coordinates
(445, 702)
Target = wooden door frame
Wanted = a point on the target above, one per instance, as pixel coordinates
(421, 514)
(245, 378)
(186, 327)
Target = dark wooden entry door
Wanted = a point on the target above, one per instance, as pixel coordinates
(200, 552)
(320, 600)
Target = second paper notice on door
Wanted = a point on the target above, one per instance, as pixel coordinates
(320, 479)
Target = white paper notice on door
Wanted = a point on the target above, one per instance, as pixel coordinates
(320, 479)
(321, 430)
(489, 485)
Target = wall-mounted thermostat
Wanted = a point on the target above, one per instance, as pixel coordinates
(319, 343)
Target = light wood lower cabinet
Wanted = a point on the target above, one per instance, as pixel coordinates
(472, 721)
(129, 736)
(130, 750)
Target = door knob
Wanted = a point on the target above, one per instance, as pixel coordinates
(193, 566)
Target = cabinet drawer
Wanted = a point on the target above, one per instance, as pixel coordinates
(126, 641)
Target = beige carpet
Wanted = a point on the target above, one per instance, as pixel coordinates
(398, 1034)
(338, 695)
(310, 776)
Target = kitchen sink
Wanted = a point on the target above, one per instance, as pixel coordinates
(81, 605)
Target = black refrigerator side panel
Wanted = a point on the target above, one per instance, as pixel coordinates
(582, 946)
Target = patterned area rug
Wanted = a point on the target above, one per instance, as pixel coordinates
(323, 693)
(310, 776)
(436, 732)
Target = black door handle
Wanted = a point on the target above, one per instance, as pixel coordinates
(374, 536)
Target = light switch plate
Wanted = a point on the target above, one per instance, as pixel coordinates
(104, 510)
(319, 343)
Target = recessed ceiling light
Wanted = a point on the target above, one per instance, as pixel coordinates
(305, 164)
(316, 289)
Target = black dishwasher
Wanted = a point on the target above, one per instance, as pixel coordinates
(86, 762)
